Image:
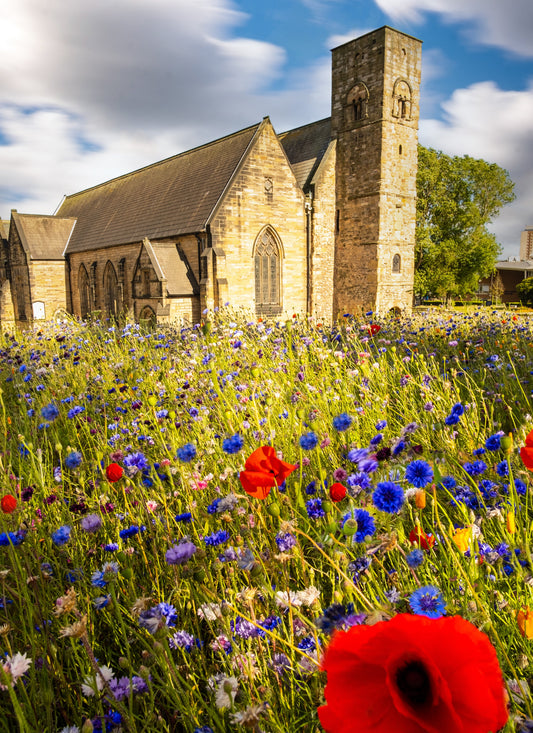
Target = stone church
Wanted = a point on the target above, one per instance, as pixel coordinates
(318, 220)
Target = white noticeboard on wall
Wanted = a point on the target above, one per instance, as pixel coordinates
(38, 311)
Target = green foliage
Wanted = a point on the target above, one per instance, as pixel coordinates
(525, 289)
(457, 197)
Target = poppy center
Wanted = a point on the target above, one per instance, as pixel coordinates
(414, 683)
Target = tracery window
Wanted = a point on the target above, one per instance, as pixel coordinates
(85, 292)
(267, 263)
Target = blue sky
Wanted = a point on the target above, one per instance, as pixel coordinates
(91, 89)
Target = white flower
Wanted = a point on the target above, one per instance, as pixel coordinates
(15, 667)
(226, 692)
(95, 683)
(287, 598)
(210, 611)
(70, 729)
(309, 595)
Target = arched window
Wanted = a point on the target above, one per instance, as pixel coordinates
(396, 263)
(357, 102)
(401, 100)
(85, 292)
(147, 317)
(267, 263)
(112, 303)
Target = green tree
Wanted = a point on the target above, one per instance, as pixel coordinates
(525, 290)
(456, 198)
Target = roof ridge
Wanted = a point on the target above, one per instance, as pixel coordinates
(160, 162)
(301, 127)
(45, 216)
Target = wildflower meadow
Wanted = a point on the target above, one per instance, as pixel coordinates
(268, 526)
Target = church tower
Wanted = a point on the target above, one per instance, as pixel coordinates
(374, 119)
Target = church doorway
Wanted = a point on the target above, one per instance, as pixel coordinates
(267, 263)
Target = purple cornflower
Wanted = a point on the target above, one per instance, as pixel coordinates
(136, 460)
(415, 558)
(285, 541)
(181, 553)
(91, 523)
(314, 508)
(216, 538)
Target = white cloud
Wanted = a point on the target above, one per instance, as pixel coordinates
(506, 25)
(484, 121)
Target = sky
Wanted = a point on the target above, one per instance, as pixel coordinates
(93, 89)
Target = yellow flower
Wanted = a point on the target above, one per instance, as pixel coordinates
(461, 538)
(524, 619)
(420, 499)
(511, 524)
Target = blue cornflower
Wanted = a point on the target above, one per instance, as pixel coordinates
(368, 464)
(419, 474)
(342, 422)
(493, 442)
(216, 538)
(136, 460)
(98, 580)
(314, 508)
(308, 441)
(381, 424)
(50, 412)
(448, 482)
(502, 469)
(376, 440)
(181, 553)
(73, 460)
(233, 444)
(415, 558)
(457, 409)
(388, 497)
(359, 481)
(398, 448)
(357, 454)
(428, 601)
(187, 452)
(475, 468)
(452, 419)
(186, 517)
(366, 525)
(130, 531)
(61, 536)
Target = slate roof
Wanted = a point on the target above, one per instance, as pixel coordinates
(169, 266)
(43, 237)
(174, 196)
(305, 147)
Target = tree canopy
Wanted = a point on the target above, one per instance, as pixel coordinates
(456, 198)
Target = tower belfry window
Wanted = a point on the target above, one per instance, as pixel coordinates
(357, 103)
(401, 100)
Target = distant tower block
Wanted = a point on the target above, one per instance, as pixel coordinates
(374, 117)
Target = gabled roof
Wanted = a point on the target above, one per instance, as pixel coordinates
(305, 147)
(171, 266)
(174, 196)
(43, 237)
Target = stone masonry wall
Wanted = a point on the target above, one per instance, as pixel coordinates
(48, 282)
(248, 207)
(376, 178)
(323, 238)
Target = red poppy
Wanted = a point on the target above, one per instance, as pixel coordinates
(114, 472)
(337, 492)
(526, 453)
(263, 470)
(8, 504)
(413, 674)
(373, 329)
(417, 536)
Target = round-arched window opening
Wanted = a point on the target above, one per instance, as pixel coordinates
(396, 263)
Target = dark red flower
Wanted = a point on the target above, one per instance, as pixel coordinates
(8, 504)
(526, 452)
(413, 674)
(263, 470)
(337, 492)
(114, 472)
(418, 537)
